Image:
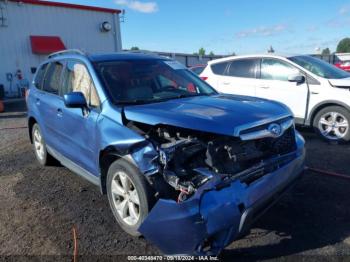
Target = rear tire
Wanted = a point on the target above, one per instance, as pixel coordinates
(332, 124)
(39, 146)
(129, 195)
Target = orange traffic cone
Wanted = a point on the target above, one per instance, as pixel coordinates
(2, 107)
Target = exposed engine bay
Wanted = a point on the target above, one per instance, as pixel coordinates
(187, 158)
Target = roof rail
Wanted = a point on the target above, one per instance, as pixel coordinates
(140, 52)
(68, 51)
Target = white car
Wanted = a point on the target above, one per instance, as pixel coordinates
(316, 92)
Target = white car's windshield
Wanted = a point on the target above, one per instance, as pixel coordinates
(319, 67)
(148, 81)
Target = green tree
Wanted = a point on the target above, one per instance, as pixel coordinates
(135, 48)
(344, 46)
(211, 53)
(326, 51)
(201, 51)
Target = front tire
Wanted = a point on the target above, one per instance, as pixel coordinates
(332, 124)
(129, 196)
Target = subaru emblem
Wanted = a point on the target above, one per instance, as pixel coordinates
(275, 129)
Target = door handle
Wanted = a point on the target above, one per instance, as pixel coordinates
(265, 87)
(59, 112)
(226, 83)
(37, 101)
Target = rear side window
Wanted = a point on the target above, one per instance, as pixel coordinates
(243, 68)
(53, 78)
(219, 68)
(274, 69)
(198, 70)
(77, 79)
(38, 81)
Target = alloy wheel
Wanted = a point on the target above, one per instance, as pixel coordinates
(333, 125)
(39, 144)
(125, 198)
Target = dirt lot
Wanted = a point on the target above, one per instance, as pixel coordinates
(39, 207)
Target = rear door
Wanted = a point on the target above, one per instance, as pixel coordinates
(79, 132)
(240, 77)
(213, 74)
(50, 104)
(274, 85)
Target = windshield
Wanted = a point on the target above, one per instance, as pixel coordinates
(149, 81)
(319, 67)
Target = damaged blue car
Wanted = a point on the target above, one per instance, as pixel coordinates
(188, 168)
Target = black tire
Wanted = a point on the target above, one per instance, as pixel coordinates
(45, 159)
(342, 113)
(144, 191)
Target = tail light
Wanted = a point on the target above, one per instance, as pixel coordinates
(204, 78)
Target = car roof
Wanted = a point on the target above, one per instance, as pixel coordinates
(105, 57)
(276, 55)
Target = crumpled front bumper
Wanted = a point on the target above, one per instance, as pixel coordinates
(219, 212)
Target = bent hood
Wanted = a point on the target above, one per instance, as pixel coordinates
(221, 114)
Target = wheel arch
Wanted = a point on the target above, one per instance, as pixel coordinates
(323, 105)
(138, 154)
(106, 157)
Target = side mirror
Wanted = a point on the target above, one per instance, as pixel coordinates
(75, 100)
(298, 78)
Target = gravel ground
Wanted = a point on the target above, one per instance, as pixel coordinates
(40, 206)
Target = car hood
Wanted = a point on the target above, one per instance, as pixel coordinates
(345, 82)
(221, 114)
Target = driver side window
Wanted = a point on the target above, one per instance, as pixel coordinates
(274, 69)
(78, 79)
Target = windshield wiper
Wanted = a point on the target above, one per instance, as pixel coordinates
(147, 101)
(191, 95)
(134, 102)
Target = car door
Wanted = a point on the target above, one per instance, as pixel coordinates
(214, 73)
(79, 129)
(50, 104)
(274, 85)
(240, 77)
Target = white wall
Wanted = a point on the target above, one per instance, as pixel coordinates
(76, 28)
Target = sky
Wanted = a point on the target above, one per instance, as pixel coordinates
(227, 26)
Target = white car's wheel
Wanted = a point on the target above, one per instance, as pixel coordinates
(332, 124)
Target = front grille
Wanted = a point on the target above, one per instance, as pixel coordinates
(278, 146)
(265, 155)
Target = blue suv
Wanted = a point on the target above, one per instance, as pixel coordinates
(185, 166)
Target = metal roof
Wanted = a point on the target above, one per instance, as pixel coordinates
(67, 5)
